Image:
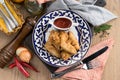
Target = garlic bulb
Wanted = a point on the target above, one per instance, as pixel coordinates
(23, 54)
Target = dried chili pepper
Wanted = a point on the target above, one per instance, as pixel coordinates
(20, 67)
(24, 64)
(12, 65)
(29, 66)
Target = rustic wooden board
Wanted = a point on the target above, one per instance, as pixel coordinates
(112, 68)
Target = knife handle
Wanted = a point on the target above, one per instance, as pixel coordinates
(7, 53)
(61, 73)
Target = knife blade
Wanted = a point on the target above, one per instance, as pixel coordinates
(94, 55)
(86, 60)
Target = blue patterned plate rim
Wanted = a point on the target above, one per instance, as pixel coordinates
(72, 60)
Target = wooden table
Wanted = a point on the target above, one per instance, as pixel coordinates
(112, 68)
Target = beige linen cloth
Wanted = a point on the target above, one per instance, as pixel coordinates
(95, 73)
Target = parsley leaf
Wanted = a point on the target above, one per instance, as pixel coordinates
(102, 28)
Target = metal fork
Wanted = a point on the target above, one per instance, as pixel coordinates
(10, 14)
(85, 66)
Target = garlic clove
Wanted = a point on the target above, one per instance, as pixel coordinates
(19, 50)
(25, 56)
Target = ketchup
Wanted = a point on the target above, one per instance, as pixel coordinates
(62, 23)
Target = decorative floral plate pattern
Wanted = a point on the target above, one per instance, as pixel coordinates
(42, 30)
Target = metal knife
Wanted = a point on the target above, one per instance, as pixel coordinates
(86, 60)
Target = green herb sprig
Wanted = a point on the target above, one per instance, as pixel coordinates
(102, 28)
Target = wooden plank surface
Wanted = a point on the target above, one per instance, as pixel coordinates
(112, 68)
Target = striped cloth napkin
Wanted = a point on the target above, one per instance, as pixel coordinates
(96, 72)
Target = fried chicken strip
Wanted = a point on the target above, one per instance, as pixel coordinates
(50, 47)
(74, 41)
(65, 55)
(55, 39)
(66, 46)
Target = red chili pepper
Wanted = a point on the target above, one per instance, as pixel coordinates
(29, 66)
(12, 65)
(20, 67)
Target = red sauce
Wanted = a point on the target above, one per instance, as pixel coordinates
(62, 23)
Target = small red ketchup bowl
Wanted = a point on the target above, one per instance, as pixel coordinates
(62, 23)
